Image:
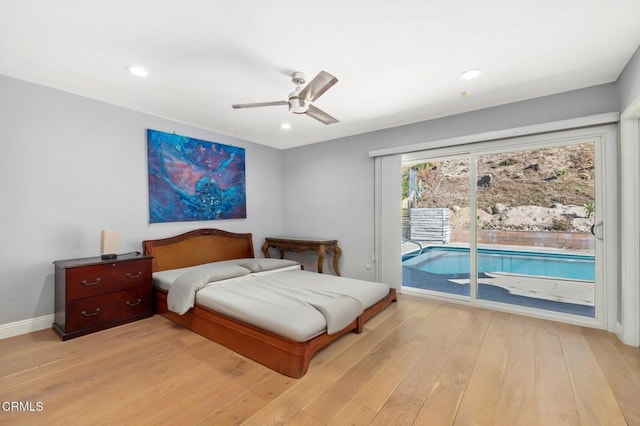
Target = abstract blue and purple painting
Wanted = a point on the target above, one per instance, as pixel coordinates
(191, 179)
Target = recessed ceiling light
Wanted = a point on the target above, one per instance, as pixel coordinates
(285, 126)
(470, 74)
(138, 71)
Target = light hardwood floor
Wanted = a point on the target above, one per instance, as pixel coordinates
(418, 362)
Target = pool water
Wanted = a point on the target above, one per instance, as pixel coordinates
(448, 260)
(447, 270)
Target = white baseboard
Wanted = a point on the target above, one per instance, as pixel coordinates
(25, 326)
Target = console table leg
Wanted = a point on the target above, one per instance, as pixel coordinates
(337, 252)
(321, 256)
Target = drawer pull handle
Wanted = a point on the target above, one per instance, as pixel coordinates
(134, 304)
(138, 275)
(84, 282)
(85, 314)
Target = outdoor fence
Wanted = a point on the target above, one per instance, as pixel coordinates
(430, 225)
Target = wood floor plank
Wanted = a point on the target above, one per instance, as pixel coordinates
(442, 403)
(237, 411)
(447, 328)
(622, 380)
(409, 358)
(301, 418)
(353, 414)
(153, 393)
(201, 408)
(45, 352)
(86, 385)
(630, 354)
(595, 401)
(554, 398)
(479, 402)
(399, 409)
(341, 391)
(84, 370)
(516, 402)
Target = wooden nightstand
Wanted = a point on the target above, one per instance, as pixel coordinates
(93, 294)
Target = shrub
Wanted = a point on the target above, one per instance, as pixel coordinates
(584, 176)
(508, 162)
(590, 207)
(562, 224)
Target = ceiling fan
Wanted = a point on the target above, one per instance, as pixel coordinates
(300, 100)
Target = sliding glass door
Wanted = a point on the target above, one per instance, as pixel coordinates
(513, 228)
(536, 209)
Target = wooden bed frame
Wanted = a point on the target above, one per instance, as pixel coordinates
(286, 356)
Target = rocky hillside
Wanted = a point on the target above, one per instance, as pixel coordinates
(544, 189)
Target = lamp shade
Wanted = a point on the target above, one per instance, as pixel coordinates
(108, 243)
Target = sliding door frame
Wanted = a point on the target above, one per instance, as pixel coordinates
(628, 318)
(511, 139)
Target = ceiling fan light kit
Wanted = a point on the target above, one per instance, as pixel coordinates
(301, 100)
(297, 105)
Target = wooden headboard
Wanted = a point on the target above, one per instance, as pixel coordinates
(197, 247)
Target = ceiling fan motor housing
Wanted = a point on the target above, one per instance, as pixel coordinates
(297, 105)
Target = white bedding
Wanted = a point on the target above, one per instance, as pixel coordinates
(165, 279)
(272, 294)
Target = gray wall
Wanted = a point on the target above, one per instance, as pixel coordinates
(628, 84)
(70, 167)
(328, 187)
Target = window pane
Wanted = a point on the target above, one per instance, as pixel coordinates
(436, 223)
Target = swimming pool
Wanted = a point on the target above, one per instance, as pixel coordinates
(550, 281)
(448, 260)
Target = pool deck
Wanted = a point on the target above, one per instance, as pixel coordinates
(558, 290)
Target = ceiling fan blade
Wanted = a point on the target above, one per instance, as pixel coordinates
(320, 84)
(320, 115)
(259, 104)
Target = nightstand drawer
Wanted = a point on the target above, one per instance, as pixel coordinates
(95, 280)
(98, 311)
(131, 303)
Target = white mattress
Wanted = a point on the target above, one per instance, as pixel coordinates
(279, 302)
(286, 301)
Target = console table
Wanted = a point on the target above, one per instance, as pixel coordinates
(323, 247)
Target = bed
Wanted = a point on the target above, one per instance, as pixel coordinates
(238, 277)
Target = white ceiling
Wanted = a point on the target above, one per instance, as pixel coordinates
(397, 62)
